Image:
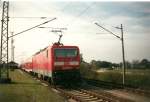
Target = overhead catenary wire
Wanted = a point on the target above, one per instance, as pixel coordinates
(32, 27)
(80, 14)
(62, 10)
(108, 31)
(29, 17)
(64, 7)
(91, 5)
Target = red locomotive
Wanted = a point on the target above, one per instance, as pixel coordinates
(57, 63)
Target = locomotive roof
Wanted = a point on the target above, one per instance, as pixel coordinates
(41, 50)
(52, 46)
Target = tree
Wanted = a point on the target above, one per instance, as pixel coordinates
(144, 63)
(105, 64)
(93, 64)
(128, 64)
(115, 65)
(81, 57)
(100, 64)
(135, 64)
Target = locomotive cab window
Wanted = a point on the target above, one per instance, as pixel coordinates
(65, 52)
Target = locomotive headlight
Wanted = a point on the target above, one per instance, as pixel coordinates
(66, 63)
(74, 63)
(58, 63)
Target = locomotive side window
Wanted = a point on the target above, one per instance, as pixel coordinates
(65, 52)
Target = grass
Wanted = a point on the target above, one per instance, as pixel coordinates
(25, 89)
(138, 78)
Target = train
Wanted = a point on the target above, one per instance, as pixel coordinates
(27, 65)
(57, 63)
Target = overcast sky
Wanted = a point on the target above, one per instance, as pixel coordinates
(79, 18)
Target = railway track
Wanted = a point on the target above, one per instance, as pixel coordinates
(110, 85)
(87, 93)
(83, 93)
(78, 94)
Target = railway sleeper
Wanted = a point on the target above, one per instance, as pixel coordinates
(99, 96)
(89, 96)
(70, 95)
(90, 99)
(81, 95)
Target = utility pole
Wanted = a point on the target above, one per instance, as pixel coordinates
(122, 43)
(4, 72)
(123, 57)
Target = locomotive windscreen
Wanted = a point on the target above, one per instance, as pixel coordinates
(65, 52)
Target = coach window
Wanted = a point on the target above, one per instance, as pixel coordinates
(47, 53)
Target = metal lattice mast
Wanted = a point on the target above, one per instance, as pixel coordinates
(4, 73)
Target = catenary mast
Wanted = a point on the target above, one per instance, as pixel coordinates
(4, 73)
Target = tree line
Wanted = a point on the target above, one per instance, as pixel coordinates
(135, 64)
